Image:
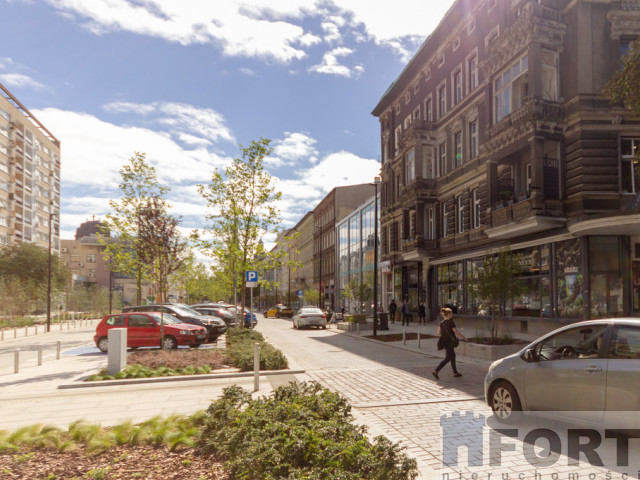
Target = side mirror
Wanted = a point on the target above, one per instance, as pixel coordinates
(530, 355)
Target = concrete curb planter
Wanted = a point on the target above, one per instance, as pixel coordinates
(354, 327)
(488, 352)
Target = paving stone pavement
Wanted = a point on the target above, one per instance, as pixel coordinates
(393, 393)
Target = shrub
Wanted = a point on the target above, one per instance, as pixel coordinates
(240, 348)
(301, 431)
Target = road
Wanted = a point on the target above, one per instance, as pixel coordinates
(393, 393)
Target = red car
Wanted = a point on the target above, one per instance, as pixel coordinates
(143, 330)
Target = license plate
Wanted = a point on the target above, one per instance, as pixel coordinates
(201, 337)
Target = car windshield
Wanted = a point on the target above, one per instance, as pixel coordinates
(166, 318)
(311, 311)
(184, 310)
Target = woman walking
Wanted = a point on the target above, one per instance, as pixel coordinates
(448, 334)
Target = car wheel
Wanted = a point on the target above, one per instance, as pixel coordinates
(505, 402)
(103, 344)
(324, 327)
(169, 343)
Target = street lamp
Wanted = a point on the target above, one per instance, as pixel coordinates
(318, 227)
(376, 181)
(51, 214)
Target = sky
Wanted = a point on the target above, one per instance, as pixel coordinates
(190, 82)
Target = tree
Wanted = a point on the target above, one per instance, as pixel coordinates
(624, 85)
(139, 184)
(24, 274)
(310, 296)
(241, 202)
(358, 293)
(495, 282)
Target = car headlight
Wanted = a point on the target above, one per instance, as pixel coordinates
(186, 332)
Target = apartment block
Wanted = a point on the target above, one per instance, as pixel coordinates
(497, 134)
(29, 177)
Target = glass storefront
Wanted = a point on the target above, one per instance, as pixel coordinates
(551, 279)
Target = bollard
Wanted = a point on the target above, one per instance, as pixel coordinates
(418, 339)
(16, 360)
(26, 331)
(58, 348)
(256, 367)
(61, 323)
(404, 337)
(36, 329)
(40, 354)
(15, 332)
(68, 325)
(2, 334)
(358, 328)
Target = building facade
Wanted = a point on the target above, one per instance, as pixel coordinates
(355, 236)
(29, 177)
(336, 205)
(497, 134)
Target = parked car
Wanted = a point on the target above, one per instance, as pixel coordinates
(214, 310)
(279, 311)
(215, 326)
(581, 371)
(143, 330)
(310, 317)
(247, 314)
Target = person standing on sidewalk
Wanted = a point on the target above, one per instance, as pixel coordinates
(393, 308)
(405, 309)
(422, 314)
(448, 334)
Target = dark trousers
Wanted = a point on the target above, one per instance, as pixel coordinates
(406, 317)
(422, 319)
(449, 357)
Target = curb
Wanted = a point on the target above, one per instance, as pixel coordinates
(177, 378)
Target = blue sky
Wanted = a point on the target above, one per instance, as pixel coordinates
(188, 81)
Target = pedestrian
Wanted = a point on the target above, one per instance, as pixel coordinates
(393, 308)
(448, 341)
(406, 311)
(422, 314)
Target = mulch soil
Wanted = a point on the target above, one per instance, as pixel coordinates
(124, 463)
(178, 358)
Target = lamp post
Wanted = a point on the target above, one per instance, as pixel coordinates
(51, 214)
(318, 227)
(376, 181)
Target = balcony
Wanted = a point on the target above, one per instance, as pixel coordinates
(525, 216)
(417, 246)
(415, 188)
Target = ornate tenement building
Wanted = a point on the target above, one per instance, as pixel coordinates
(29, 177)
(497, 133)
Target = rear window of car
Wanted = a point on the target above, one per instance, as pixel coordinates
(311, 311)
(137, 320)
(116, 320)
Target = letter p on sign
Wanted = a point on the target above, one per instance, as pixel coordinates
(251, 278)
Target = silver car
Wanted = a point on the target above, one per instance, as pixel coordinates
(581, 371)
(309, 317)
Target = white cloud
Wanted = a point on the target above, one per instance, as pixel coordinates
(331, 32)
(293, 148)
(20, 80)
(182, 119)
(331, 66)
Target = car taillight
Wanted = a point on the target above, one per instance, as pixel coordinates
(324, 316)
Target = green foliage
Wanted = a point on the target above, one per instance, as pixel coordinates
(301, 431)
(23, 278)
(240, 350)
(310, 296)
(358, 293)
(624, 85)
(242, 208)
(495, 282)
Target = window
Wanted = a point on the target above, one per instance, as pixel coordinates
(91, 258)
(456, 43)
(549, 75)
(510, 89)
(407, 121)
(580, 342)
(431, 224)
(457, 141)
(91, 273)
(460, 215)
(472, 72)
(441, 59)
(428, 109)
(476, 208)
(629, 167)
(427, 75)
(116, 320)
(471, 26)
(442, 100)
(445, 221)
(473, 139)
(428, 164)
(397, 137)
(625, 343)
(416, 113)
(442, 157)
(529, 176)
(140, 321)
(410, 167)
(457, 86)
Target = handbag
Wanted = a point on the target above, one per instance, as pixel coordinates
(440, 345)
(456, 341)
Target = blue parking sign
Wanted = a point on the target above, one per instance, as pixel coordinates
(251, 276)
